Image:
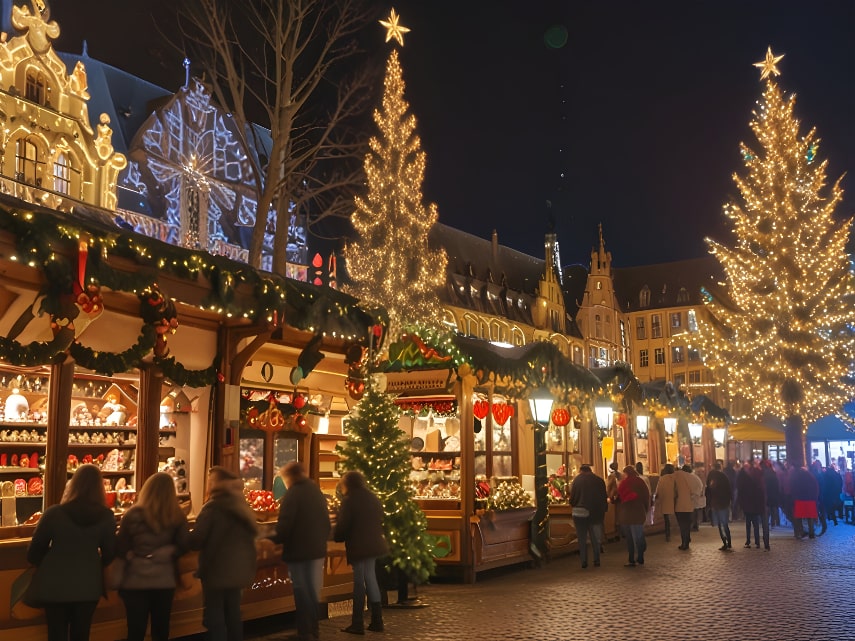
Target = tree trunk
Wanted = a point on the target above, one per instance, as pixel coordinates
(793, 427)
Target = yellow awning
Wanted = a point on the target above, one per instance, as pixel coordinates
(753, 431)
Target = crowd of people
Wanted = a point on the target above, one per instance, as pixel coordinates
(78, 538)
(765, 494)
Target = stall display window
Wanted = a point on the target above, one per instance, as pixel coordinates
(285, 450)
(252, 462)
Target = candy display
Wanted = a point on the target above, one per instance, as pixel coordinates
(262, 503)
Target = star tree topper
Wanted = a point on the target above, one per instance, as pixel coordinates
(769, 65)
(393, 29)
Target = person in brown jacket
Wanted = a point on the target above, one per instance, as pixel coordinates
(632, 499)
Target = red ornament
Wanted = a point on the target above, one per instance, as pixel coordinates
(621, 419)
(480, 409)
(560, 416)
(299, 401)
(501, 413)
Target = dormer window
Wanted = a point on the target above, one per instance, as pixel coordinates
(35, 89)
(644, 297)
(26, 158)
(683, 295)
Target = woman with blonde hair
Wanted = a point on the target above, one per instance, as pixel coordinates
(71, 545)
(152, 536)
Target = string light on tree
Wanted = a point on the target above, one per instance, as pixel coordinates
(779, 335)
(390, 263)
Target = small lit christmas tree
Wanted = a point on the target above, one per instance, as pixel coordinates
(376, 447)
(778, 336)
(390, 263)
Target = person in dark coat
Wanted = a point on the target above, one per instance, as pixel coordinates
(773, 493)
(71, 545)
(751, 490)
(731, 472)
(225, 534)
(303, 529)
(633, 502)
(805, 492)
(589, 503)
(152, 535)
(360, 526)
(832, 486)
(719, 496)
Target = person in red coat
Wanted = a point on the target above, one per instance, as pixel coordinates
(633, 502)
(805, 491)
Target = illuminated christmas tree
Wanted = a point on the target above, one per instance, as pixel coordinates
(390, 263)
(778, 335)
(377, 448)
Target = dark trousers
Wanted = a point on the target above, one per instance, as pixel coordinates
(684, 521)
(667, 519)
(69, 621)
(752, 519)
(140, 605)
(221, 616)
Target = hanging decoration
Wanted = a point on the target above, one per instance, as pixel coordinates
(560, 416)
(502, 412)
(480, 409)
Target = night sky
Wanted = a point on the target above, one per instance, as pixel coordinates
(633, 122)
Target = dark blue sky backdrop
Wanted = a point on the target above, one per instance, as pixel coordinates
(642, 110)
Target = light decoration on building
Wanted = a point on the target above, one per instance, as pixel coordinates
(391, 263)
(779, 334)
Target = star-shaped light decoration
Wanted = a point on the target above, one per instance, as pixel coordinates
(769, 65)
(393, 29)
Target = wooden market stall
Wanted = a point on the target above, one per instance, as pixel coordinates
(101, 377)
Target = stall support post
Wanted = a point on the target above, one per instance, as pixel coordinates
(148, 428)
(59, 418)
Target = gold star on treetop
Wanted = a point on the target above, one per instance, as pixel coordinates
(768, 66)
(393, 29)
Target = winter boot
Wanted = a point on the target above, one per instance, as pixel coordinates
(376, 624)
(357, 625)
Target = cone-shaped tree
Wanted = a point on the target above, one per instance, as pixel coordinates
(376, 446)
(390, 262)
(778, 333)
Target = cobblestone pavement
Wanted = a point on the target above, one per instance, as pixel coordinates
(801, 590)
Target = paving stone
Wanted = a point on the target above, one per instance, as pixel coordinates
(801, 590)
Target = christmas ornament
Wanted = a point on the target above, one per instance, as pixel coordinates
(768, 66)
(560, 416)
(393, 29)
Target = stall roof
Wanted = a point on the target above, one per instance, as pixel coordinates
(754, 431)
(830, 428)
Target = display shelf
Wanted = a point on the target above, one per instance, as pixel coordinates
(112, 472)
(22, 425)
(23, 445)
(101, 428)
(19, 470)
(128, 445)
(167, 432)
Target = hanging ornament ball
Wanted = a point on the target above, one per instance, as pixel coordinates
(299, 401)
(296, 375)
(556, 36)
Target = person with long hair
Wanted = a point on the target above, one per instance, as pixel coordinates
(360, 525)
(152, 536)
(71, 545)
(225, 534)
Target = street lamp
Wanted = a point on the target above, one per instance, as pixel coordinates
(718, 436)
(642, 423)
(670, 427)
(695, 431)
(604, 413)
(541, 408)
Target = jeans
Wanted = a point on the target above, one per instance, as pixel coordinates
(636, 544)
(585, 529)
(364, 580)
(752, 518)
(720, 518)
(69, 621)
(307, 579)
(684, 520)
(142, 604)
(221, 616)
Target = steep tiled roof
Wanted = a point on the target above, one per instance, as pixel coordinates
(671, 284)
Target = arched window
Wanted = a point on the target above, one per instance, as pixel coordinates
(62, 174)
(644, 297)
(35, 89)
(598, 326)
(26, 159)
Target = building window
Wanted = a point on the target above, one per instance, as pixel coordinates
(622, 334)
(677, 354)
(659, 356)
(640, 332)
(598, 326)
(694, 354)
(599, 284)
(683, 295)
(644, 297)
(692, 320)
(676, 320)
(694, 376)
(62, 174)
(680, 381)
(25, 161)
(656, 326)
(604, 357)
(35, 89)
(643, 358)
(592, 357)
